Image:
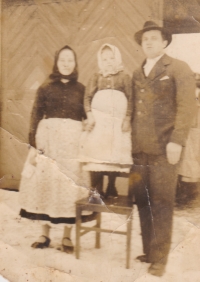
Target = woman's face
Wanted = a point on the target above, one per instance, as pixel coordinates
(66, 62)
(108, 60)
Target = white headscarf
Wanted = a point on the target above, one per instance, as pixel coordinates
(118, 60)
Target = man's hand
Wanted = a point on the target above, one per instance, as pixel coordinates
(90, 121)
(173, 152)
(126, 125)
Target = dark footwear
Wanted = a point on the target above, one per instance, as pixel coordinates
(69, 249)
(157, 269)
(39, 245)
(111, 192)
(142, 258)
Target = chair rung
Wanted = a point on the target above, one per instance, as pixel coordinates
(84, 232)
(96, 229)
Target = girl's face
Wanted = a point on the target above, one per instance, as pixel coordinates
(108, 60)
(66, 62)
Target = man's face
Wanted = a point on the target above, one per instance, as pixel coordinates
(153, 43)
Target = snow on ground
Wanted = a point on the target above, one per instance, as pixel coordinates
(20, 263)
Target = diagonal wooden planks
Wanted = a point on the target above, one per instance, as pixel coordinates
(34, 32)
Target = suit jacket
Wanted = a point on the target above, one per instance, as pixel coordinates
(163, 106)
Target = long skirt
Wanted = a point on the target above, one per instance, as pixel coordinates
(107, 147)
(190, 162)
(52, 182)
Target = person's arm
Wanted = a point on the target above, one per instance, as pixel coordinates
(91, 89)
(186, 110)
(82, 104)
(126, 125)
(37, 114)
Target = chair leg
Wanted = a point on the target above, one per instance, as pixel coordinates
(128, 243)
(98, 234)
(78, 230)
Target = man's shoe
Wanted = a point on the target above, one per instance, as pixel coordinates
(157, 269)
(142, 258)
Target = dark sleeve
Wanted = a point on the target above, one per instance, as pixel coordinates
(91, 89)
(132, 101)
(83, 95)
(128, 92)
(37, 114)
(185, 100)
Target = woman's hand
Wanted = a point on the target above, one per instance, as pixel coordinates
(84, 123)
(126, 125)
(90, 122)
(32, 156)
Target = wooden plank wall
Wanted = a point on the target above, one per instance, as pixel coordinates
(33, 30)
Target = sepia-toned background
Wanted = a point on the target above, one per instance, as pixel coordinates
(32, 30)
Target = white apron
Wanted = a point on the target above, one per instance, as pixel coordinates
(106, 147)
(56, 181)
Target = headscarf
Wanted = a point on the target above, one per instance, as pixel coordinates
(117, 57)
(56, 75)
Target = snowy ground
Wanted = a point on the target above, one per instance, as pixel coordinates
(20, 263)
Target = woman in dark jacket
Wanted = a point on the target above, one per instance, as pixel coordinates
(52, 179)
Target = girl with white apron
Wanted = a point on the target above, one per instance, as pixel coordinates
(106, 143)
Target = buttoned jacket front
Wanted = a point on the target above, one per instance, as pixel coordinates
(163, 105)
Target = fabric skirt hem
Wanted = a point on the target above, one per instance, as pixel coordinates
(56, 220)
(97, 161)
(107, 167)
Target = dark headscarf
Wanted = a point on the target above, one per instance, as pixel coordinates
(56, 75)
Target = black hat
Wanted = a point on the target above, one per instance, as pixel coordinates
(150, 25)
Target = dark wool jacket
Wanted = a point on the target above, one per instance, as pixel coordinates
(163, 104)
(57, 100)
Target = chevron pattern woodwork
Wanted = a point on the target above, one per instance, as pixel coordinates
(33, 30)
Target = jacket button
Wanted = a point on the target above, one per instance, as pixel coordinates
(139, 113)
(140, 101)
(142, 90)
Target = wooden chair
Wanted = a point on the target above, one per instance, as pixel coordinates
(121, 205)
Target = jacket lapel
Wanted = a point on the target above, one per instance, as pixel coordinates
(159, 67)
(141, 79)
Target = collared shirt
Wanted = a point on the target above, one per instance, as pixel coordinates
(150, 63)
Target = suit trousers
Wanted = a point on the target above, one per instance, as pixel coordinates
(153, 182)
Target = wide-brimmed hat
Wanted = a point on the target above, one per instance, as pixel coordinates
(150, 25)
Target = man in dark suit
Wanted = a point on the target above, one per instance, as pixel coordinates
(164, 106)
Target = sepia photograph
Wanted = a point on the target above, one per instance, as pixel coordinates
(100, 141)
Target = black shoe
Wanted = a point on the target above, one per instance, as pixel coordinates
(39, 245)
(69, 249)
(157, 269)
(142, 258)
(111, 192)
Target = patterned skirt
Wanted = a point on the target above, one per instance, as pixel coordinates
(52, 182)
